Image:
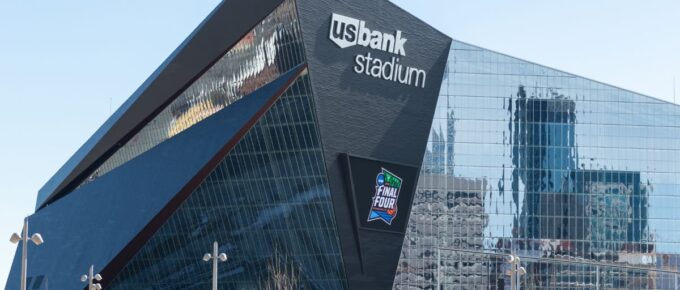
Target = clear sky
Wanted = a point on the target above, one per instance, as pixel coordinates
(65, 65)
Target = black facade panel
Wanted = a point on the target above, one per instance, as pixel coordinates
(382, 193)
(370, 114)
(217, 34)
(96, 222)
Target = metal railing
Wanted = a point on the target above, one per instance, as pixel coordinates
(507, 258)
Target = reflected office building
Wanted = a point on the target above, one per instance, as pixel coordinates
(349, 145)
(577, 178)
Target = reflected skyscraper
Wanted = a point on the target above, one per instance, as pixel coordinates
(615, 210)
(315, 172)
(565, 210)
(543, 155)
(581, 181)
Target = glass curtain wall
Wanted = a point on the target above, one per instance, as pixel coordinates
(579, 179)
(268, 205)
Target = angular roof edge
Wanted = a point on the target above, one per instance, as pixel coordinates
(566, 72)
(204, 46)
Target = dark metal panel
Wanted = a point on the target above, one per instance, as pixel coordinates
(106, 221)
(367, 115)
(380, 204)
(371, 191)
(216, 35)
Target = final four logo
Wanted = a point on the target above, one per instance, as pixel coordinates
(384, 205)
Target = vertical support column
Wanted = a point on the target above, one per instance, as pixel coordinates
(90, 277)
(24, 254)
(597, 277)
(439, 271)
(517, 276)
(214, 260)
(512, 276)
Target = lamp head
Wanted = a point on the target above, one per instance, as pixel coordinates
(223, 257)
(83, 278)
(15, 238)
(98, 277)
(37, 239)
(207, 257)
(511, 259)
(522, 271)
(96, 286)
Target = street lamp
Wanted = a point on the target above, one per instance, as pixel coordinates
(516, 271)
(15, 239)
(90, 279)
(222, 257)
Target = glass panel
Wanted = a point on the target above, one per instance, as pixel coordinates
(579, 179)
(267, 203)
(268, 50)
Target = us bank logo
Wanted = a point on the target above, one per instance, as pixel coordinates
(348, 32)
(384, 205)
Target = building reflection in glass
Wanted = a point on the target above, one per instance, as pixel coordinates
(580, 179)
(543, 154)
(270, 49)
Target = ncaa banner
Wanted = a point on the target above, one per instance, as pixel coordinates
(382, 193)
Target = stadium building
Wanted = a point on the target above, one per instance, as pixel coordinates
(349, 145)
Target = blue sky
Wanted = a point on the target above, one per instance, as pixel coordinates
(65, 65)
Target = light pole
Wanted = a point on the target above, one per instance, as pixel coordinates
(35, 238)
(516, 271)
(90, 279)
(222, 257)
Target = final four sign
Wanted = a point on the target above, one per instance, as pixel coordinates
(382, 192)
(384, 206)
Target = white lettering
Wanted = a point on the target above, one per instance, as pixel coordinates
(344, 30)
(389, 70)
(399, 45)
(347, 32)
(359, 68)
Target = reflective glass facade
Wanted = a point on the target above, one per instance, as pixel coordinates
(578, 178)
(268, 203)
(268, 50)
